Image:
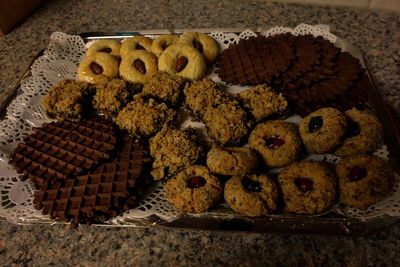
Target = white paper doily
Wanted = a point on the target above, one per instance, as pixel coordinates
(60, 61)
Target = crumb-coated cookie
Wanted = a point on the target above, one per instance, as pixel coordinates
(363, 180)
(205, 44)
(307, 187)
(262, 101)
(144, 116)
(364, 134)
(98, 68)
(226, 124)
(323, 130)
(111, 97)
(183, 60)
(162, 42)
(67, 100)
(194, 189)
(107, 46)
(137, 66)
(232, 160)
(135, 43)
(174, 150)
(252, 195)
(199, 95)
(165, 87)
(277, 142)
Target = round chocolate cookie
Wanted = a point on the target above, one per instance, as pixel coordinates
(323, 130)
(232, 160)
(173, 150)
(363, 180)
(307, 187)
(252, 195)
(364, 134)
(277, 141)
(194, 189)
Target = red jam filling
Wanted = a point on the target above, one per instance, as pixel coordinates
(357, 173)
(196, 182)
(304, 184)
(274, 142)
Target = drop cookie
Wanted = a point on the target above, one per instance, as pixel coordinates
(277, 142)
(307, 187)
(107, 46)
(205, 44)
(252, 195)
(194, 189)
(162, 42)
(363, 180)
(98, 68)
(131, 44)
(137, 66)
(323, 130)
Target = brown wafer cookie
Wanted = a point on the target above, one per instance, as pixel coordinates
(64, 148)
(105, 192)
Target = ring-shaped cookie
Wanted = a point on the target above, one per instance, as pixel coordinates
(97, 68)
(173, 61)
(137, 66)
(163, 42)
(205, 44)
(135, 43)
(107, 46)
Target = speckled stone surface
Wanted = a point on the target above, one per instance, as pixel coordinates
(376, 33)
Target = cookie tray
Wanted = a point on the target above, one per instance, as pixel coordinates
(224, 219)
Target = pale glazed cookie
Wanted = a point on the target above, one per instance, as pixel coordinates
(277, 142)
(232, 160)
(166, 87)
(98, 68)
(226, 124)
(107, 46)
(199, 95)
(252, 195)
(67, 100)
(262, 101)
(134, 43)
(323, 130)
(137, 66)
(173, 150)
(183, 60)
(194, 189)
(144, 116)
(111, 97)
(162, 42)
(307, 187)
(364, 134)
(363, 180)
(205, 44)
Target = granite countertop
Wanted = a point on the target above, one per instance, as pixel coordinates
(374, 32)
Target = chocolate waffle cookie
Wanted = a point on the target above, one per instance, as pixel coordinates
(60, 149)
(105, 192)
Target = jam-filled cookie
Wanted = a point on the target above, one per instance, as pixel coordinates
(262, 101)
(323, 130)
(173, 150)
(162, 42)
(194, 189)
(205, 44)
(98, 68)
(252, 195)
(137, 66)
(166, 87)
(183, 60)
(111, 97)
(277, 142)
(144, 116)
(199, 95)
(232, 160)
(134, 43)
(364, 134)
(307, 187)
(363, 180)
(226, 124)
(107, 46)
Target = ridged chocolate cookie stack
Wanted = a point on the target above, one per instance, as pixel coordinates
(310, 71)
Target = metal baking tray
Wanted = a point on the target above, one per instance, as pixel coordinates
(330, 223)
